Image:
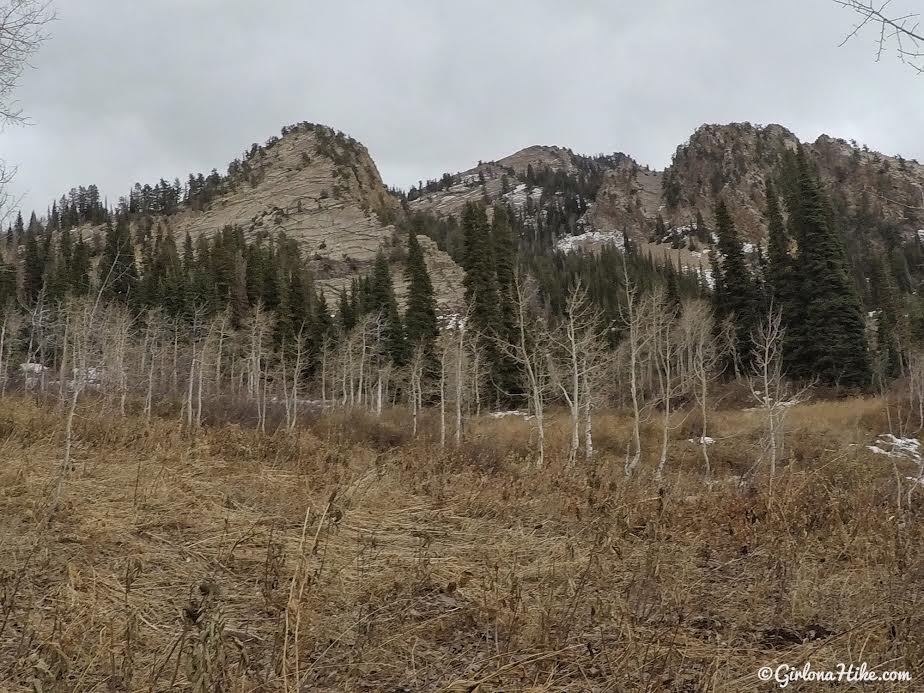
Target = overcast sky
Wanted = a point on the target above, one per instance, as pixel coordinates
(135, 91)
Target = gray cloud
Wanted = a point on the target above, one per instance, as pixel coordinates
(127, 92)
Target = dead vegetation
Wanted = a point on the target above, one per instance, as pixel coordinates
(347, 556)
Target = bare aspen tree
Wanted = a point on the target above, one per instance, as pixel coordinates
(220, 327)
(461, 330)
(195, 365)
(65, 322)
(22, 30)
(576, 348)
(257, 330)
(598, 360)
(84, 349)
(446, 343)
(117, 327)
(212, 347)
(704, 358)
(415, 380)
(635, 316)
(82, 328)
(9, 329)
(530, 351)
(769, 388)
(175, 373)
(326, 349)
(293, 392)
(153, 336)
(667, 348)
(915, 373)
(39, 315)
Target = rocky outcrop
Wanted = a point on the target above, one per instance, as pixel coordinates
(319, 187)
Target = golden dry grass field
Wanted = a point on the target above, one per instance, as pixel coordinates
(350, 557)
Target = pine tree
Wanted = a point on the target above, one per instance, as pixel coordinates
(672, 289)
(381, 298)
(735, 293)
(480, 275)
(79, 275)
(7, 283)
(827, 337)
(420, 317)
(33, 275)
(117, 271)
(18, 231)
(506, 375)
(346, 315)
(780, 279)
(884, 297)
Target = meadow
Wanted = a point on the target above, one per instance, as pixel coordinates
(348, 555)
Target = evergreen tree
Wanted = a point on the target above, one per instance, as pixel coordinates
(117, 271)
(18, 232)
(827, 336)
(79, 274)
(33, 274)
(420, 317)
(7, 283)
(888, 356)
(779, 278)
(506, 374)
(345, 313)
(672, 289)
(480, 274)
(735, 293)
(381, 298)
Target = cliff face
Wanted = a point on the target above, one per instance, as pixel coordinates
(318, 186)
(734, 162)
(322, 189)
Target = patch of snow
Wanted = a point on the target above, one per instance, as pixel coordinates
(452, 321)
(704, 440)
(520, 194)
(710, 280)
(893, 446)
(921, 235)
(33, 368)
(512, 412)
(569, 243)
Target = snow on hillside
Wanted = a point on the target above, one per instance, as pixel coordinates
(590, 238)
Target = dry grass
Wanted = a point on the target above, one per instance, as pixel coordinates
(351, 558)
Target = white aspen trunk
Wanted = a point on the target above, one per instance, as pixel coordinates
(199, 384)
(189, 389)
(460, 356)
(703, 390)
(219, 352)
(176, 352)
(324, 375)
(666, 369)
(443, 399)
(414, 386)
(149, 395)
(588, 429)
(3, 360)
(62, 370)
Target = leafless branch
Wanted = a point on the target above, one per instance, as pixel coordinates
(897, 32)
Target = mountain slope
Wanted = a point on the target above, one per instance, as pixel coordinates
(581, 202)
(319, 187)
